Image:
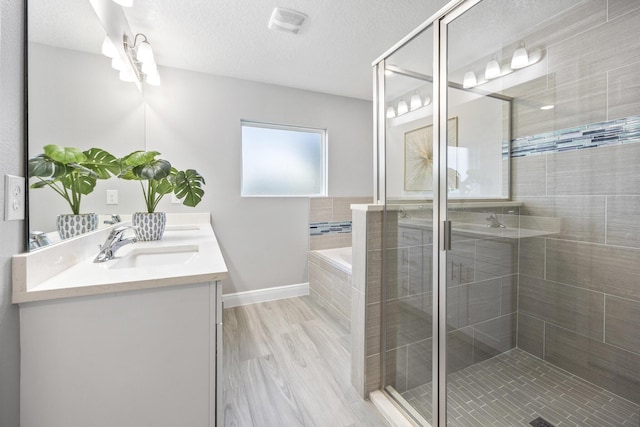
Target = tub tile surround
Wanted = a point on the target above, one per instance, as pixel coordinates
(330, 227)
(366, 290)
(330, 221)
(330, 287)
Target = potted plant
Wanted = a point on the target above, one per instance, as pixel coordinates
(72, 174)
(157, 179)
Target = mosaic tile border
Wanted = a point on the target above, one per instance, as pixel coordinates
(602, 134)
(329, 227)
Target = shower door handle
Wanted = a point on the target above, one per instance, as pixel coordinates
(446, 233)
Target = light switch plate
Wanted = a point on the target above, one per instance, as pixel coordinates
(112, 197)
(14, 197)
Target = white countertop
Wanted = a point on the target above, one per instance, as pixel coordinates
(67, 269)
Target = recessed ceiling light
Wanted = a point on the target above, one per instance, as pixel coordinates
(547, 107)
(287, 20)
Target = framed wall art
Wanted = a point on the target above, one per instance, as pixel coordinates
(418, 157)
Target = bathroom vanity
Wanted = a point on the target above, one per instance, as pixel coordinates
(134, 341)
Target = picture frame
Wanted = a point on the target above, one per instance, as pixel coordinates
(418, 157)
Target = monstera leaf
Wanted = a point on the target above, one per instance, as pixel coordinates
(44, 167)
(155, 169)
(101, 163)
(81, 184)
(188, 186)
(64, 155)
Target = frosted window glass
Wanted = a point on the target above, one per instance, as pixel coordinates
(282, 161)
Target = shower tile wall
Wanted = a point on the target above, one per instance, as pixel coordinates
(579, 290)
(481, 310)
(332, 210)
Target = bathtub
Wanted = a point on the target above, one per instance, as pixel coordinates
(340, 258)
(330, 282)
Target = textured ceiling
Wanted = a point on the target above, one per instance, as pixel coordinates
(332, 53)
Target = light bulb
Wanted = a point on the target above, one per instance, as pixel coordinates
(127, 76)
(469, 80)
(427, 101)
(402, 107)
(108, 49)
(520, 58)
(391, 113)
(415, 102)
(149, 67)
(493, 70)
(145, 53)
(117, 63)
(153, 79)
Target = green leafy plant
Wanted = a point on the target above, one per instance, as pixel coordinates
(70, 172)
(158, 178)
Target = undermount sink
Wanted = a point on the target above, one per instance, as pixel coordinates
(157, 257)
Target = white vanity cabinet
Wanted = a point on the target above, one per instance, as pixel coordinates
(105, 351)
(143, 358)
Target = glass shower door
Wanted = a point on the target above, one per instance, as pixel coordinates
(408, 223)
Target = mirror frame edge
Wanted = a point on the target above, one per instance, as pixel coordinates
(25, 122)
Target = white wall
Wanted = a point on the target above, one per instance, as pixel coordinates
(11, 70)
(194, 120)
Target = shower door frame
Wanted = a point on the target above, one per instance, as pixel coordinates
(441, 225)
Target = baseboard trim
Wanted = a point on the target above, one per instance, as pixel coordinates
(263, 295)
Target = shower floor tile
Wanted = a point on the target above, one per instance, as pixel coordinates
(515, 388)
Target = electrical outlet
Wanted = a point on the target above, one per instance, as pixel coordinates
(13, 198)
(112, 197)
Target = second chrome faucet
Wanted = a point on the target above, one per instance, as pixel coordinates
(114, 241)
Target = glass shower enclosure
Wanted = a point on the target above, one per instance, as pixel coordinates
(508, 162)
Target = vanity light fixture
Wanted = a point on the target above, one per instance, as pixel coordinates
(287, 20)
(403, 108)
(415, 102)
(492, 70)
(141, 58)
(469, 80)
(520, 58)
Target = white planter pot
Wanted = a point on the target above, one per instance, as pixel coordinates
(150, 225)
(70, 225)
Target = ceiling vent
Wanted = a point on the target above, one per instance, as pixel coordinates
(286, 20)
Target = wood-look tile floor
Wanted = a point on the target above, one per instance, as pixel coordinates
(286, 364)
(514, 388)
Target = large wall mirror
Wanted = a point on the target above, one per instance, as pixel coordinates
(75, 99)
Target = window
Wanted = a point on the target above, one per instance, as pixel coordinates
(279, 160)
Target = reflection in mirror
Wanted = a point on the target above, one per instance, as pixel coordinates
(478, 140)
(76, 100)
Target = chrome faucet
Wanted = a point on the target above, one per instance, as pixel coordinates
(115, 218)
(114, 241)
(494, 222)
